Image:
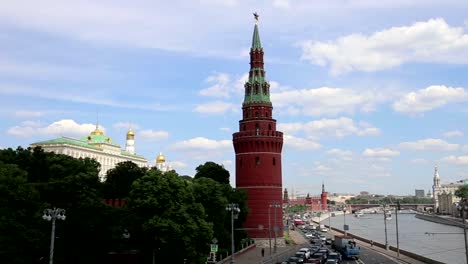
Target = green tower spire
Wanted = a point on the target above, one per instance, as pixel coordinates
(257, 89)
(256, 44)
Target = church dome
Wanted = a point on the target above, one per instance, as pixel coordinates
(130, 133)
(97, 131)
(160, 158)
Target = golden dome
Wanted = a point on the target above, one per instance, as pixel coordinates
(160, 158)
(130, 133)
(97, 131)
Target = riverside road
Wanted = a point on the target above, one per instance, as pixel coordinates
(436, 241)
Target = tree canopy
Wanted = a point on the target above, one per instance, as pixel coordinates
(165, 212)
(213, 171)
(462, 192)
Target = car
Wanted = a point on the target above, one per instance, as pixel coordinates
(306, 252)
(301, 256)
(314, 261)
(329, 241)
(314, 249)
(309, 235)
(335, 256)
(295, 260)
(331, 261)
(321, 256)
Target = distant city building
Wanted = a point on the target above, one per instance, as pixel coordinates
(443, 193)
(96, 146)
(314, 203)
(419, 193)
(364, 193)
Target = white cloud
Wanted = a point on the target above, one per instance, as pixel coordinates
(125, 125)
(225, 129)
(201, 143)
(281, 3)
(453, 133)
(380, 153)
(217, 107)
(458, 160)
(152, 135)
(339, 127)
(419, 161)
(427, 99)
(429, 144)
(65, 127)
(428, 41)
(300, 143)
(220, 87)
(343, 154)
(325, 101)
(28, 114)
(178, 164)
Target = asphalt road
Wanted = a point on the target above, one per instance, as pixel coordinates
(367, 256)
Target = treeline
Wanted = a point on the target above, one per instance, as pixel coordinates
(387, 200)
(169, 216)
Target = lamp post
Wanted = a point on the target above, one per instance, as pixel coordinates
(344, 220)
(385, 224)
(52, 215)
(269, 228)
(234, 209)
(275, 227)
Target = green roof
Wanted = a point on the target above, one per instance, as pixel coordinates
(66, 141)
(99, 139)
(94, 144)
(256, 39)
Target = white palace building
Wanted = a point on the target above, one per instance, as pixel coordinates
(100, 147)
(444, 194)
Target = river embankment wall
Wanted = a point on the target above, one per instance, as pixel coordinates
(440, 220)
(382, 246)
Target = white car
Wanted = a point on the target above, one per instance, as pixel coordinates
(306, 252)
(323, 229)
(309, 235)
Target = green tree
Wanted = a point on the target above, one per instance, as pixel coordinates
(20, 232)
(462, 192)
(169, 220)
(119, 180)
(213, 171)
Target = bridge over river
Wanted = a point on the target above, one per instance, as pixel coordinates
(417, 207)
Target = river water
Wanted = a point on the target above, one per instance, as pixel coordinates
(446, 245)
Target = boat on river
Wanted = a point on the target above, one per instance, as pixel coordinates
(359, 214)
(388, 215)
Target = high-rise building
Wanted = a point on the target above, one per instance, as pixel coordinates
(258, 147)
(419, 193)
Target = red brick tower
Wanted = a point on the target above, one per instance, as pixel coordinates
(323, 197)
(258, 150)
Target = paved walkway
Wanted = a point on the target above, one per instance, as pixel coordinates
(255, 255)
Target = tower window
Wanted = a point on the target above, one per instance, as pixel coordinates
(240, 162)
(243, 127)
(257, 161)
(274, 161)
(257, 129)
(269, 126)
(257, 114)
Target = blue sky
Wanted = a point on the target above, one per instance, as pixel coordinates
(371, 95)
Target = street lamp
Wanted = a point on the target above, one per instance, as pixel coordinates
(385, 224)
(275, 227)
(234, 209)
(52, 215)
(344, 220)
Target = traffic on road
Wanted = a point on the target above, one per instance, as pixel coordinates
(325, 248)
